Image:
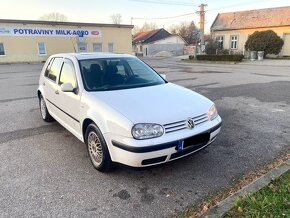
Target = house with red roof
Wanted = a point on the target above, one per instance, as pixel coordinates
(158, 42)
(232, 29)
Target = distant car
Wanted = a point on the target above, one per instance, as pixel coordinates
(123, 110)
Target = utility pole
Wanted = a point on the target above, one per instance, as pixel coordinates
(201, 23)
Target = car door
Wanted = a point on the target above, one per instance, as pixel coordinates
(50, 85)
(69, 102)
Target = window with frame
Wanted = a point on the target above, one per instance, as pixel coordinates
(82, 47)
(234, 42)
(111, 47)
(41, 48)
(97, 47)
(53, 69)
(220, 40)
(67, 74)
(2, 49)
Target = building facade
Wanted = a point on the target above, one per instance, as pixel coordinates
(172, 45)
(29, 41)
(233, 29)
(158, 43)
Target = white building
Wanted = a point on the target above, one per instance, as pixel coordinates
(158, 43)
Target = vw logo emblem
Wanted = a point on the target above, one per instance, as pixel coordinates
(190, 123)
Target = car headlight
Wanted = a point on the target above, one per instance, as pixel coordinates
(212, 113)
(147, 130)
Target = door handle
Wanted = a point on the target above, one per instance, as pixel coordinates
(56, 92)
(43, 84)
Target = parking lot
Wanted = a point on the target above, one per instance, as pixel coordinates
(45, 170)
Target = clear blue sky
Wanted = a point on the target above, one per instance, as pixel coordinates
(99, 11)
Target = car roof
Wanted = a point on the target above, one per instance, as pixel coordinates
(92, 55)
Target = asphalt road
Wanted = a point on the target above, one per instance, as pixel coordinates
(46, 172)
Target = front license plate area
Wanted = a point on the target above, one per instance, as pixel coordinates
(198, 140)
(180, 145)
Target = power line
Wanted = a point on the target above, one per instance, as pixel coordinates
(235, 5)
(178, 20)
(162, 18)
(187, 14)
(165, 2)
(185, 4)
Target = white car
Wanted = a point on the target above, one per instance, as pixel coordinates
(123, 110)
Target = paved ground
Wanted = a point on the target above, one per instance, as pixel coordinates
(45, 171)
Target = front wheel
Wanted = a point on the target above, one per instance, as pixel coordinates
(43, 110)
(97, 149)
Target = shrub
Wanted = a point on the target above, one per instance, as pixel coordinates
(223, 52)
(267, 41)
(236, 58)
(211, 47)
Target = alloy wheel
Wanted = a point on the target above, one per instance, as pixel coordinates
(95, 148)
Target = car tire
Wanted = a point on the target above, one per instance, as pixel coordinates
(43, 110)
(97, 149)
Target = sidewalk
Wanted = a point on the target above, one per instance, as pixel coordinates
(267, 62)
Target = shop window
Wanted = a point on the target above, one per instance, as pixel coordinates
(41, 48)
(111, 47)
(2, 50)
(97, 47)
(234, 42)
(82, 47)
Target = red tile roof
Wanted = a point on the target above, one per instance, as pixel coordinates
(269, 17)
(142, 36)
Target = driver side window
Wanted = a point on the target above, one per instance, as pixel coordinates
(67, 74)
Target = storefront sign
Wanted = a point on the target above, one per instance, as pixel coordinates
(64, 32)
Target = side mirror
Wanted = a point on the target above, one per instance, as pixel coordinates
(67, 87)
(163, 76)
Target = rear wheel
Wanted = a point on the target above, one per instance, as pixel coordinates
(43, 110)
(97, 149)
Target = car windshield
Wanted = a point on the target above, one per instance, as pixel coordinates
(104, 74)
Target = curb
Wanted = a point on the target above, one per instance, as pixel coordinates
(225, 205)
(209, 62)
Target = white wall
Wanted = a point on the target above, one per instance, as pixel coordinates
(170, 40)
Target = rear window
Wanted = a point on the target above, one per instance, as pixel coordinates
(53, 69)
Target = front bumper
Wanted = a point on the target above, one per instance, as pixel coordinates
(143, 153)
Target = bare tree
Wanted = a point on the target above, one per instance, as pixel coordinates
(136, 29)
(188, 31)
(54, 16)
(145, 27)
(116, 18)
(148, 26)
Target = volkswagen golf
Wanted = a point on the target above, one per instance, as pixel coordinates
(123, 110)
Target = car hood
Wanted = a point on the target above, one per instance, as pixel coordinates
(160, 104)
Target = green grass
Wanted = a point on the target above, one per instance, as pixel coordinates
(271, 201)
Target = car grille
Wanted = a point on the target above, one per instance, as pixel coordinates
(180, 125)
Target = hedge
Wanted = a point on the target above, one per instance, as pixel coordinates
(220, 57)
